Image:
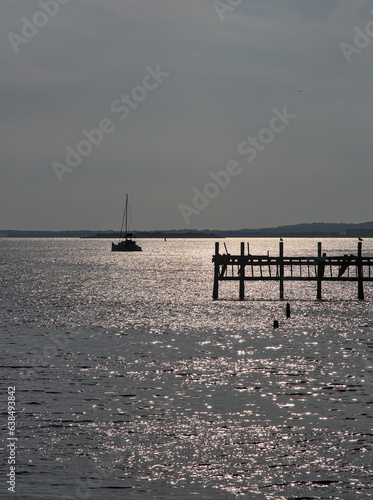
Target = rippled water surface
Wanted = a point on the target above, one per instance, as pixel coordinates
(132, 383)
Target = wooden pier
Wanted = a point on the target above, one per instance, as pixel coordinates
(247, 267)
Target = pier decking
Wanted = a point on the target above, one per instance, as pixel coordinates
(247, 267)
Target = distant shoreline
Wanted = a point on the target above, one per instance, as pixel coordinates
(311, 230)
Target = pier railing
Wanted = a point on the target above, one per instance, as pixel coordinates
(247, 267)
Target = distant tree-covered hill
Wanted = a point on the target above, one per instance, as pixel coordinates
(315, 229)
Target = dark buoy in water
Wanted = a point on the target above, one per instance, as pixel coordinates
(288, 310)
(275, 324)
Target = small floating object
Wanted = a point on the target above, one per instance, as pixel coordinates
(288, 310)
(275, 324)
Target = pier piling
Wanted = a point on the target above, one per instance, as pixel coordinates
(242, 272)
(215, 294)
(319, 271)
(281, 264)
(360, 271)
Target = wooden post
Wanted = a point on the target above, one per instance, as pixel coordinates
(288, 310)
(215, 293)
(281, 251)
(360, 271)
(319, 271)
(242, 272)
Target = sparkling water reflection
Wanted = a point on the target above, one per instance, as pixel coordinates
(133, 383)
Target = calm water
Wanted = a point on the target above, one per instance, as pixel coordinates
(131, 383)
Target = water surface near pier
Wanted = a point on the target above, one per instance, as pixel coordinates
(132, 383)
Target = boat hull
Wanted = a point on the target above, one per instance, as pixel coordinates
(126, 246)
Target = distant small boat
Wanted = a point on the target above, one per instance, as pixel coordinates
(126, 245)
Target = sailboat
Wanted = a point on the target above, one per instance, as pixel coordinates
(126, 245)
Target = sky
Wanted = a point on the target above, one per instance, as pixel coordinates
(210, 114)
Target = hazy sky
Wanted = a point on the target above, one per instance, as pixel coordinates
(177, 87)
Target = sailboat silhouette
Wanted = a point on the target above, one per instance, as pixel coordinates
(126, 245)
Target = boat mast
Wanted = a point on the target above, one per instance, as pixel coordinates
(126, 211)
(124, 218)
